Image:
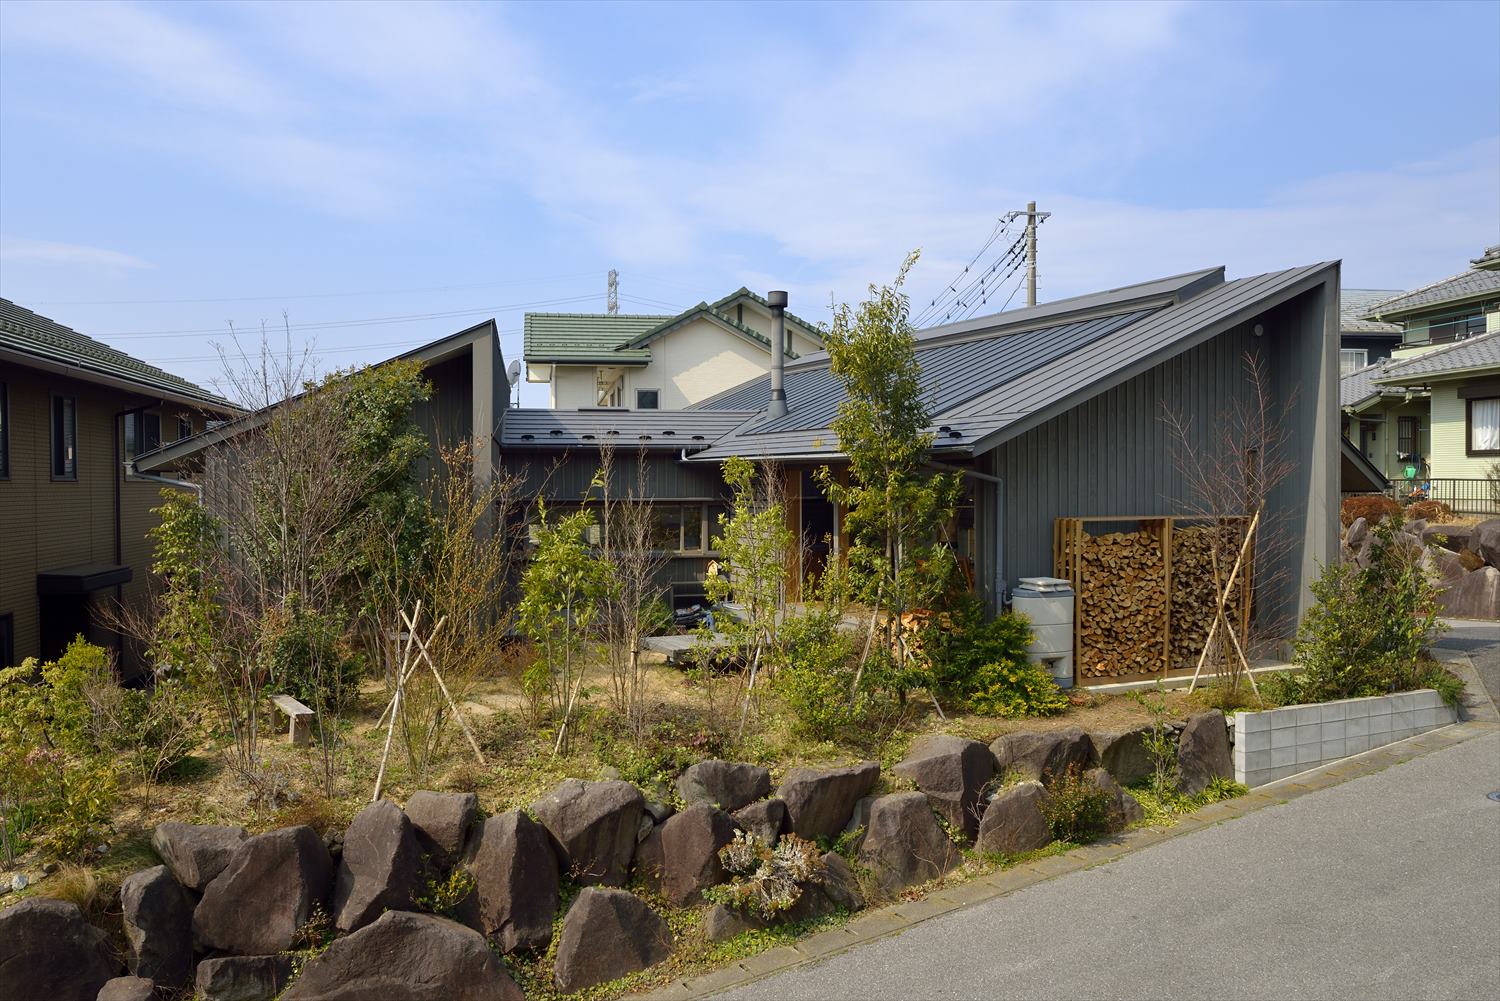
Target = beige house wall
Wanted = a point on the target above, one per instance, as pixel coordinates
(1384, 415)
(1449, 427)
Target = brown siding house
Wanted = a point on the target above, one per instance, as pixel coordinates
(73, 525)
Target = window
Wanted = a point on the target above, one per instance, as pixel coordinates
(1406, 437)
(142, 433)
(647, 399)
(1353, 359)
(680, 528)
(64, 437)
(7, 640)
(4, 431)
(184, 428)
(1482, 430)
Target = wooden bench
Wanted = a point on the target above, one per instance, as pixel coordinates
(299, 728)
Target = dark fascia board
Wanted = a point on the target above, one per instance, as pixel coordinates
(147, 390)
(1144, 364)
(428, 354)
(83, 578)
(1376, 479)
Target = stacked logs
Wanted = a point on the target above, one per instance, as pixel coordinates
(1194, 594)
(1122, 604)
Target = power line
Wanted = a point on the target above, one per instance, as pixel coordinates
(309, 295)
(951, 292)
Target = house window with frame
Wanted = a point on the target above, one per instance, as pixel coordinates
(4, 431)
(184, 428)
(1482, 426)
(1406, 437)
(680, 528)
(142, 432)
(1353, 359)
(64, 437)
(648, 399)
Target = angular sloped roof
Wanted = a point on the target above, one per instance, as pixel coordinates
(1476, 283)
(628, 430)
(1475, 354)
(990, 382)
(46, 340)
(1354, 303)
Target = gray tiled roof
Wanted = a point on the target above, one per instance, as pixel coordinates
(1359, 386)
(47, 340)
(1471, 284)
(988, 382)
(1474, 354)
(1354, 303)
(628, 430)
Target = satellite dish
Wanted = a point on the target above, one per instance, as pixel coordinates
(513, 371)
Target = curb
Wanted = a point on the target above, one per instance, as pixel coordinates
(884, 922)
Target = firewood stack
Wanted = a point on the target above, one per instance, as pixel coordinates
(1193, 590)
(1122, 604)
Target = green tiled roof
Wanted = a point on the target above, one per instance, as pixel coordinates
(587, 337)
(23, 331)
(704, 309)
(811, 329)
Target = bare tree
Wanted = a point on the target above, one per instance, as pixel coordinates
(1230, 470)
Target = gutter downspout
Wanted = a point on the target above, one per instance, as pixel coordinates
(197, 488)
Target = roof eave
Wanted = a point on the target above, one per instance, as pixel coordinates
(215, 405)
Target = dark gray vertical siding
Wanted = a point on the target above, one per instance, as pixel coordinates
(446, 417)
(567, 475)
(1112, 454)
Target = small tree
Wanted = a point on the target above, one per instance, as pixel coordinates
(754, 542)
(895, 502)
(561, 590)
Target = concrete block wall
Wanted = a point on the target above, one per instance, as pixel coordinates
(1276, 743)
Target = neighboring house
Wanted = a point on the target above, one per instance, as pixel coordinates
(1364, 342)
(1464, 305)
(73, 523)
(1390, 425)
(470, 391)
(1462, 381)
(656, 362)
(1049, 411)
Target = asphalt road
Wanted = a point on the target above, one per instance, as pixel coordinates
(1481, 642)
(1384, 887)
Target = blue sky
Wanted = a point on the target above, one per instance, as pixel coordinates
(175, 168)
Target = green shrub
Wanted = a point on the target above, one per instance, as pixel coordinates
(310, 658)
(1016, 690)
(1368, 630)
(964, 649)
(1076, 809)
(816, 677)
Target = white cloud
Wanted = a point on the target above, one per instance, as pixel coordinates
(71, 254)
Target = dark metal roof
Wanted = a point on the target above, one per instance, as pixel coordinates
(1356, 472)
(629, 430)
(46, 340)
(988, 387)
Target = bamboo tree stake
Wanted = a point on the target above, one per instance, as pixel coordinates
(427, 656)
(1219, 615)
(394, 708)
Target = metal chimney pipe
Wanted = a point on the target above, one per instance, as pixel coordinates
(777, 407)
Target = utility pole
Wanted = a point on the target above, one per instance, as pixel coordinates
(614, 288)
(1033, 217)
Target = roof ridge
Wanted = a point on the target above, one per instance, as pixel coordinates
(1374, 312)
(1446, 348)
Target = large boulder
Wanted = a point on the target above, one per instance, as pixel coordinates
(766, 819)
(1043, 755)
(728, 785)
(952, 772)
(607, 934)
(820, 800)
(158, 920)
(128, 989)
(1123, 754)
(1450, 537)
(1415, 527)
(1014, 822)
(1476, 595)
(196, 853)
(1442, 567)
(1484, 539)
(595, 823)
(49, 952)
(266, 893)
(1203, 752)
(441, 821)
(905, 845)
(414, 957)
(1123, 810)
(381, 868)
(242, 978)
(516, 882)
(680, 859)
